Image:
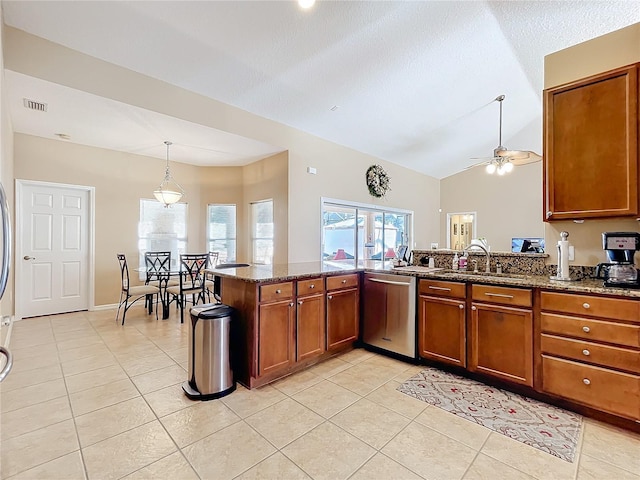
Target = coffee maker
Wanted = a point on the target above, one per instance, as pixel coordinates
(620, 270)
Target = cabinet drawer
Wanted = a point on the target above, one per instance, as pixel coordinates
(605, 355)
(616, 308)
(311, 286)
(442, 289)
(276, 291)
(336, 282)
(502, 295)
(597, 387)
(589, 329)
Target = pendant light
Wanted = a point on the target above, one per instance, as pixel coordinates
(169, 192)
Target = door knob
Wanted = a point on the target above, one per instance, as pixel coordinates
(27, 257)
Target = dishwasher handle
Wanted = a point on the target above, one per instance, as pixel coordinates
(389, 282)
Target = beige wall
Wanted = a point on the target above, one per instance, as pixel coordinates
(120, 180)
(267, 180)
(507, 206)
(340, 170)
(607, 52)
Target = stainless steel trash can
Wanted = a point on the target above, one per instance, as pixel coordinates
(210, 370)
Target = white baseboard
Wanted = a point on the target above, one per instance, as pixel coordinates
(97, 308)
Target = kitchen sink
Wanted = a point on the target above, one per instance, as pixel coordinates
(484, 275)
(416, 269)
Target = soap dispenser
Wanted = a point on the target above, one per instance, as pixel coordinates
(455, 262)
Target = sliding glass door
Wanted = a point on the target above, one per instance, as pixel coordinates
(362, 232)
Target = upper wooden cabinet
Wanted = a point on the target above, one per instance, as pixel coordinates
(591, 147)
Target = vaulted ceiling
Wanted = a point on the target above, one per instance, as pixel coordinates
(410, 82)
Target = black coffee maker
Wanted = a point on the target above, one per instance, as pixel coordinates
(620, 270)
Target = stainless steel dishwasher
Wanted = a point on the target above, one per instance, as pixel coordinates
(389, 313)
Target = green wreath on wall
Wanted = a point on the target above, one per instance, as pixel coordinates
(377, 181)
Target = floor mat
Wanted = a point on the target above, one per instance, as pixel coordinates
(548, 428)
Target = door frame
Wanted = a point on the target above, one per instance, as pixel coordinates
(19, 186)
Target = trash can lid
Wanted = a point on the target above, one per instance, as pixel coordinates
(211, 310)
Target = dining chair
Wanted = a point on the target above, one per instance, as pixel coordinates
(127, 292)
(209, 281)
(192, 281)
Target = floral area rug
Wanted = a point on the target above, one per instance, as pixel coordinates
(548, 428)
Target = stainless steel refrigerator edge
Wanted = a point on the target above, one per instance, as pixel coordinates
(4, 271)
(389, 313)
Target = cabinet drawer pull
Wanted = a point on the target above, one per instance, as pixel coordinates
(278, 291)
(586, 381)
(501, 295)
(299, 302)
(586, 305)
(586, 329)
(439, 288)
(586, 352)
(312, 286)
(460, 306)
(344, 281)
(473, 308)
(330, 297)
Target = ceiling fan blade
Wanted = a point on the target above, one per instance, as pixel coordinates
(525, 161)
(519, 154)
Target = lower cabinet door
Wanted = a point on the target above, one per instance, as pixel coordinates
(502, 342)
(310, 327)
(442, 331)
(342, 318)
(275, 336)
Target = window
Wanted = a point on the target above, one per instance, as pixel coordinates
(362, 232)
(221, 231)
(162, 230)
(262, 232)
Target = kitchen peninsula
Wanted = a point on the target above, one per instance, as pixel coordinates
(576, 344)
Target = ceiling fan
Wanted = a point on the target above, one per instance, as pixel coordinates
(503, 160)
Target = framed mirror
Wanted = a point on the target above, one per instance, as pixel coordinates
(461, 229)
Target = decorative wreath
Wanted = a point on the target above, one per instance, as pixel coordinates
(377, 181)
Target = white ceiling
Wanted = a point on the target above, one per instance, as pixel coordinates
(414, 82)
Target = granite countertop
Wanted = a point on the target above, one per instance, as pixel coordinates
(293, 271)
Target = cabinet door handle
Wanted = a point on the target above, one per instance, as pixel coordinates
(586, 305)
(586, 352)
(299, 302)
(439, 288)
(291, 304)
(473, 308)
(501, 295)
(460, 306)
(549, 213)
(278, 291)
(586, 329)
(330, 297)
(586, 381)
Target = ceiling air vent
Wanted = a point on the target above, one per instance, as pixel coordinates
(33, 105)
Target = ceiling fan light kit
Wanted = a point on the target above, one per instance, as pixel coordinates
(503, 160)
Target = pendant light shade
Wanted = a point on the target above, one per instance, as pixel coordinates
(169, 192)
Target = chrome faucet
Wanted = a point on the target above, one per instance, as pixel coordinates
(481, 247)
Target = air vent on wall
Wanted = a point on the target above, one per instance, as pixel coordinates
(33, 105)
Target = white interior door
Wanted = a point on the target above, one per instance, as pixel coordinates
(53, 249)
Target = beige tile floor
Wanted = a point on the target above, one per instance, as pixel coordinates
(88, 398)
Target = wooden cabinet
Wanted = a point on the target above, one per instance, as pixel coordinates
(310, 319)
(591, 147)
(590, 351)
(441, 321)
(275, 327)
(502, 333)
(343, 310)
